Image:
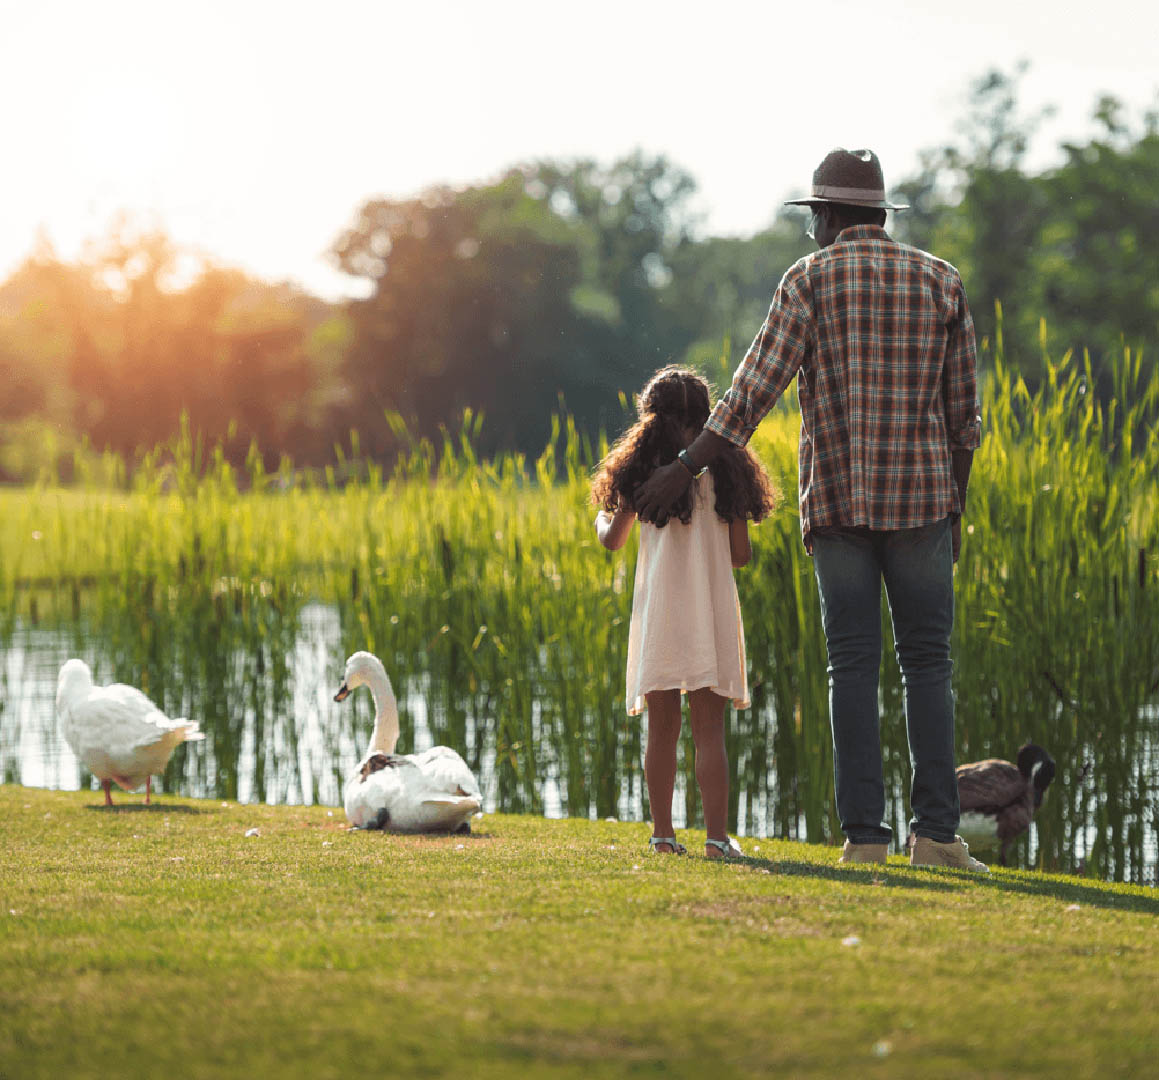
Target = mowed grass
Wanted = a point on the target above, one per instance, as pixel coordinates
(165, 942)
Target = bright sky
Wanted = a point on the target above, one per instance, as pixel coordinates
(252, 130)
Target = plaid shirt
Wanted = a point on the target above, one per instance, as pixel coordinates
(881, 339)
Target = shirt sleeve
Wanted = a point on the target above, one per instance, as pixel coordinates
(776, 354)
(960, 386)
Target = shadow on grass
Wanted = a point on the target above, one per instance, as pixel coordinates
(901, 876)
(141, 808)
(889, 876)
(1074, 891)
(467, 837)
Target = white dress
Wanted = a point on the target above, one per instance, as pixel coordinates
(686, 630)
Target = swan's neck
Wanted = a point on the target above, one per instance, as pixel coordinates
(385, 715)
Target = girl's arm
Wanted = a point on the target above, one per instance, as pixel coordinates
(613, 529)
(738, 542)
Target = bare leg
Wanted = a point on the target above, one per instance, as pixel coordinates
(660, 756)
(707, 713)
(148, 788)
(107, 786)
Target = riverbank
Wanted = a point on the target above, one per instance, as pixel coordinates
(167, 941)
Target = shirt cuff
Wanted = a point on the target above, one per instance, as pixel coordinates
(968, 437)
(730, 419)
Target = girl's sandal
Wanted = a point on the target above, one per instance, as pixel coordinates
(728, 847)
(655, 841)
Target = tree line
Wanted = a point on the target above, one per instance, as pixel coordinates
(559, 285)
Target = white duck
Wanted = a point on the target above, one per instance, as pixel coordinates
(116, 731)
(433, 791)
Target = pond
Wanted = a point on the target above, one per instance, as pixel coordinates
(307, 751)
(275, 734)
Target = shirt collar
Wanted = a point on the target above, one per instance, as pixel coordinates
(862, 232)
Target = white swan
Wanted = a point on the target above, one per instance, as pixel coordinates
(116, 731)
(434, 791)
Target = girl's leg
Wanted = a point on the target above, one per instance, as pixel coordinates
(707, 714)
(660, 756)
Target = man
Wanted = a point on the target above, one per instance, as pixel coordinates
(881, 341)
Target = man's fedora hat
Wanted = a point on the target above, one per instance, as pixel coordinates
(852, 177)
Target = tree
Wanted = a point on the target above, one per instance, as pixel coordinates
(117, 346)
(469, 308)
(974, 206)
(1096, 264)
(34, 342)
(721, 287)
(505, 297)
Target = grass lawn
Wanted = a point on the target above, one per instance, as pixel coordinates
(165, 942)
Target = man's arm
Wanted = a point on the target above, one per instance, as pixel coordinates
(960, 389)
(962, 419)
(657, 494)
(774, 357)
(961, 461)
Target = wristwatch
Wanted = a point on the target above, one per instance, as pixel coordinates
(685, 459)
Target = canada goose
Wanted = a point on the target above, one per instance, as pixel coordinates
(999, 799)
(434, 791)
(116, 731)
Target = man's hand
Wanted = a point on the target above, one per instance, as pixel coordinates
(655, 496)
(956, 537)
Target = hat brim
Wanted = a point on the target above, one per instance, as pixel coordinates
(877, 204)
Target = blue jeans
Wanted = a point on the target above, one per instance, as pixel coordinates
(917, 568)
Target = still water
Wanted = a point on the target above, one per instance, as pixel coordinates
(309, 768)
(276, 735)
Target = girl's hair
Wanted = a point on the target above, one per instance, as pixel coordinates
(674, 402)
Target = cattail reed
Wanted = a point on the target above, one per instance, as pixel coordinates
(201, 580)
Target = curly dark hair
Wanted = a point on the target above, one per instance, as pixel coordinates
(674, 402)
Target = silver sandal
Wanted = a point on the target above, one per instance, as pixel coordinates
(677, 849)
(728, 847)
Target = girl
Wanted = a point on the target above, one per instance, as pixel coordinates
(686, 635)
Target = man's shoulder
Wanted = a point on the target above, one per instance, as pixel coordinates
(920, 257)
(797, 280)
(911, 262)
(812, 270)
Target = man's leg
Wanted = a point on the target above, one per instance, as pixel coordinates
(849, 582)
(919, 581)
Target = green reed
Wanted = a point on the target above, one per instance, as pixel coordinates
(1058, 593)
(482, 587)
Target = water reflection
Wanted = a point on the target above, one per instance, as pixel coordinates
(276, 735)
(305, 758)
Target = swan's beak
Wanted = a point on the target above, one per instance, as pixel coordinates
(343, 693)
